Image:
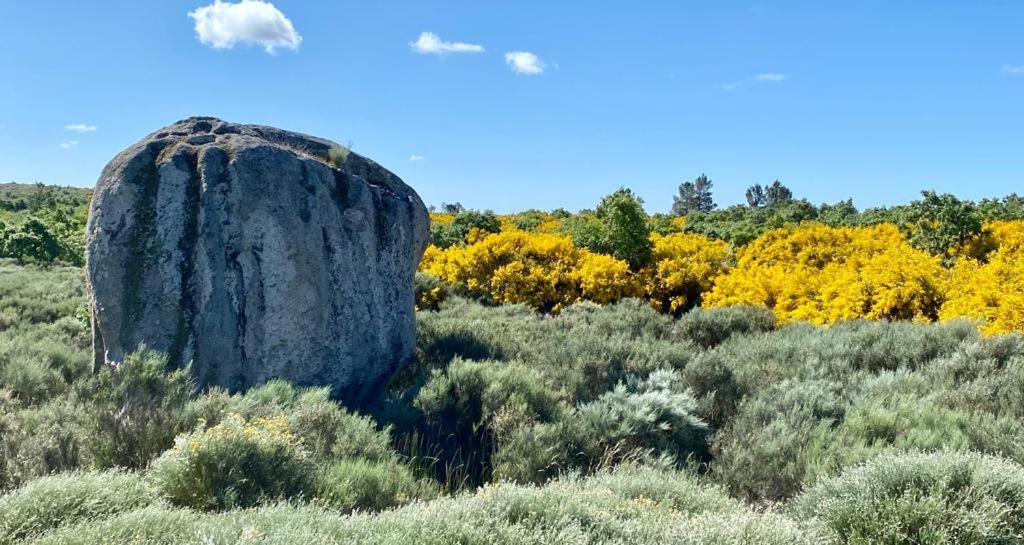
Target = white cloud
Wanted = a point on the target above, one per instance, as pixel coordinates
(1014, 70)
(771, 76)
(223, 24)
(524, 62)
(80, 128)
(69, 144)
(730, 86)
(416, 158)
(430, 43)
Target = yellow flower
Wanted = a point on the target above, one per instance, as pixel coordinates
(826, 274)
(992, 291)
(544, 271)
(684, 267)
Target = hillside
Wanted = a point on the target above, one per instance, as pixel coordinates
(600, 377)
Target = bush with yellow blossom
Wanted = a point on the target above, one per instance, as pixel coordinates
(990, 285)
(235, 464)
(826, 274)
(544, 271)
(810, 272)
(684, 267)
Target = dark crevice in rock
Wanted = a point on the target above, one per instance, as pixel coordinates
(310, 187)
(259, 311)
(186, 249)
(140, 241)
(331, 265)
(227, 128)
(341, 193)
(380, 212)
(305, 181)
(236, 379)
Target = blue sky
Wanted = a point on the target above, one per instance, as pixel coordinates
(869, 100)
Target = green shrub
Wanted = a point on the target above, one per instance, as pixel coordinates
(904, 422)
(648, 417)
(629, 505)
(32, 242)
(772, 445)
(355, 484)
(712, 380)
(982, 376)
(474, 391)
(471, 407)
(846, 353)
(586, 231)
(325, 428)
(337, 155)
(235, 464)
(586, 350)
(49, 502)
(710, 328)
(648, 420)
(138, 408)
(39, 440)
(330, 432)
(152, 525)
(934, 498)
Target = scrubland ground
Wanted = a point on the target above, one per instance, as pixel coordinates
(601, 424)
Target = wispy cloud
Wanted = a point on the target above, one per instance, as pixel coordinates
(764, 77)
(431, 44)
(221, 25)
(771, 77)
(80, 128)
(1015, 70)
(524, 62)
(69, 144)
(416, 158)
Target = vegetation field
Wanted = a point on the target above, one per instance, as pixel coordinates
(567, 390)
(936, 259)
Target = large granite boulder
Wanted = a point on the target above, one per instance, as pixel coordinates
(254, 253)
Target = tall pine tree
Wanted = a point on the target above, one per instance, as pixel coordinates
(693, 196)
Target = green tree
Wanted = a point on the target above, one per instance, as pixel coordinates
(693, 196)
(587, 231)
(938, 223)
(33, 241)
(755, 196)
(842, 213)
(777, 194)
(626, 232)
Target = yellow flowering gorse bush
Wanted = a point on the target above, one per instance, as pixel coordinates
(992, 290)
(543, 271)
(811, 272)
(826, 274)
(684, 266)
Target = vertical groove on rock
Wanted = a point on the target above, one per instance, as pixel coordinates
(139, 242)
(341, 189)
(258, 312)
(186, 249)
